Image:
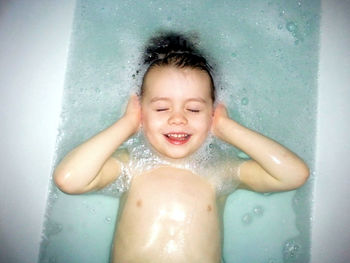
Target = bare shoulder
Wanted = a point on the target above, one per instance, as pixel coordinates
(111, 169)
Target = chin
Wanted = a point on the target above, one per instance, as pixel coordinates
(173, 152)
(176, 157)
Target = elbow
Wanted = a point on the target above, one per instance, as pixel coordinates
(61, 180)
(303, 174)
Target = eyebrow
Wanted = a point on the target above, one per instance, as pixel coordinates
(201, 100)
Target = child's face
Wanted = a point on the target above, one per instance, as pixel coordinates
(177, 110)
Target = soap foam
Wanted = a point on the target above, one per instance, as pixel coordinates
(210, 161)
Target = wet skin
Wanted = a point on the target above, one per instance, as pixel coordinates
(169, 215)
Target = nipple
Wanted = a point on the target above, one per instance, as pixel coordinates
(139, 203)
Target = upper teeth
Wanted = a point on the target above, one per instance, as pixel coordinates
(177, 135)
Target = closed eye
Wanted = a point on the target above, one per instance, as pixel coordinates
(193, 110)
(162, 109)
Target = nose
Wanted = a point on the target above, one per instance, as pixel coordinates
(177, 118)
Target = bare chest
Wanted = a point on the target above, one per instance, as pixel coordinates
(169, 215)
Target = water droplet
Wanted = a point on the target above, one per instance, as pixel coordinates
(245, 101)
(291, 27)
(291, 250)
(108, 220)
(258, 210)
(280, 26)
(247, 218)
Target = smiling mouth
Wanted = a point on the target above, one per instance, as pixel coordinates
(177, 138)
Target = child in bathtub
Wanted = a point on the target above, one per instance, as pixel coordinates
(171, 212)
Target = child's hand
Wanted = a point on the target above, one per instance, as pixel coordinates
(133, 113)
(220, 115)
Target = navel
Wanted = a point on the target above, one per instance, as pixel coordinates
(139, 203)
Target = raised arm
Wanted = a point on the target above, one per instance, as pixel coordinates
(273, 168)
(90, 165)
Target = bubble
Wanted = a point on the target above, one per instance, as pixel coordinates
(247, 218)
(245, 101)
(53, 228)
(280, 26)
(258, 210)
(291, 250)
(108, 220)
(93, 211)
(278, 52)
(291, 27)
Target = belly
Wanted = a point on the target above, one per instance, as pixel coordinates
(170, 215)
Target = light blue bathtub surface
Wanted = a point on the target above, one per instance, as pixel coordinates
(266, 54)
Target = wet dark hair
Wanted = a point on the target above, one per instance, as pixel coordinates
(174, 49)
